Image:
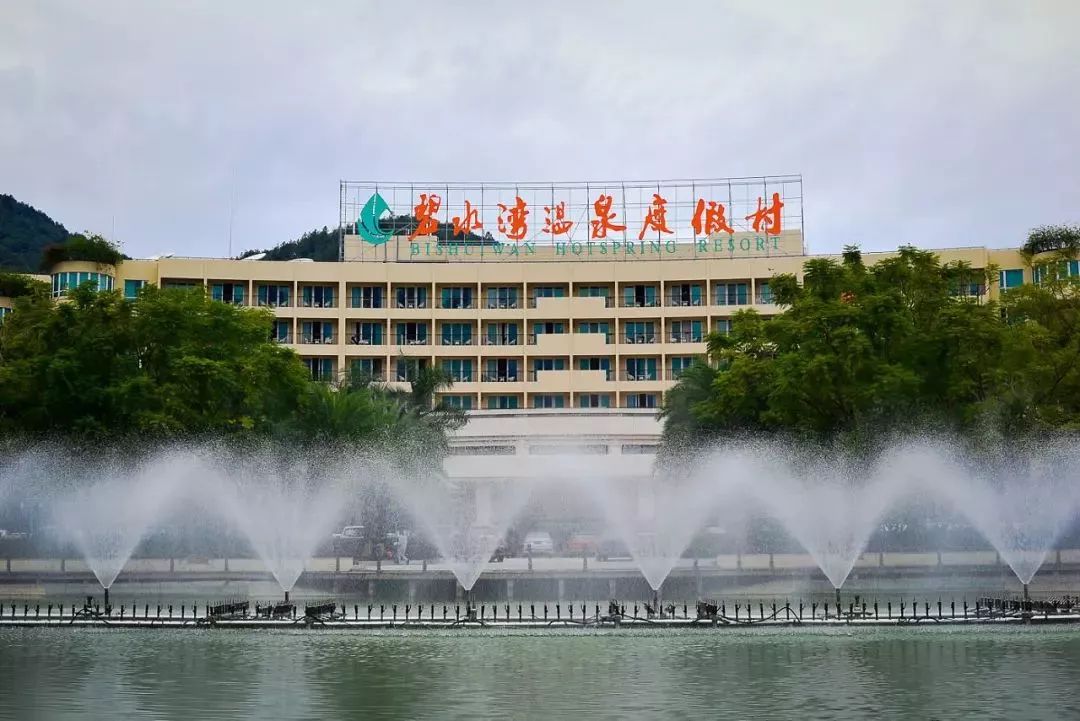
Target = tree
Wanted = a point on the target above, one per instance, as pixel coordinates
(172, 363)
(24, 233)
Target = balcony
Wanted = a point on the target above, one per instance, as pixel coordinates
(411, 304)
(286, 303)
(450, 340)
(457, 305)
(311, 303)
(639, 302)
(312, 339)
(501, 339)
(403, 341)
(686, 337)
(640, 376)
(639, 338)
(508, 304)
(501, 377)
(684, 302)
(285, 338)
(365, 339)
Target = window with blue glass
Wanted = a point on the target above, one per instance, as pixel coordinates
(461, 403)
(502, 402)
(723, 326)
(640, 400)
(63, 282)
(640, 332)
(732, 294)
(132, 288)
(543, 327)
(321, 369)
(686, 331)
(590, 326)
(414, 296)
(1012, 278)
(595, 364)
(640, 296)
(457, 297)
(457, 333)
(412, 333)
(316, 332)
(274, 296)
(594, 400)
(367, 296)
(545, 400)
(367, 333)
(501, 369)
(502, 334)
(764, 292)
(281, 331)
(641, 369)
(228, 292)
(501, 297)
(367, 368)
(684, 294)
(593, 291)
(318, 296)
(549, 364)
(460, 370)
(407, 368)
(679, 364)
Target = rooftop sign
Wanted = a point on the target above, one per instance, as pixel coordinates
(492, 221)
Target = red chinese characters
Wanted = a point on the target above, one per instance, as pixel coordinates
(512, 219)
(605, 217)
(656, 218)
(467, 221)
(710, 218)
(767, 218)
(555, 221)
(424, 212)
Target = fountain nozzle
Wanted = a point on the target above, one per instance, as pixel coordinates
(838, 600)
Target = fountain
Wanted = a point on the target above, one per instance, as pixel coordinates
(284, 507)
(107, 517)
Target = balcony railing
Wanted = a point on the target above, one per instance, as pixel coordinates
(451, 340)
(501, 339)
(672, 373)
(401, 340)
(512, 304)
(286, 338)
(500, 377)
(362, 339)
(724, 300)
(311, 338)
(312, 303)
(274, 303)
(764, 299)
(682, 301)
(411, 304)
(369, 303)
(468, 377)
(373, 375)
(639, 302)
(639, 338)
(686, 337)
(644, 375)
(457, 305)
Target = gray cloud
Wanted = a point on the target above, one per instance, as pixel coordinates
(935, 123)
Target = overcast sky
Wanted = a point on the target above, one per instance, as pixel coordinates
(938, 123)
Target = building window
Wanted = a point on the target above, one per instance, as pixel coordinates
(281, 331)
(457, 333)
(544, 400)
(412, 333)
(457, 297)
(501, 370)
(407, 369)
(548, 327)
(684, 294)
(4, 311)
(181, 284)
(369, 296)
(548, 364)
(549, 291)
(321, 369)
(366, 333)
(580, 449)
(132, 288)
(317, 296)
(594, 400)
(639, 296)
(732, 294)
(502, 402)
(595, 364)
(595, 327)
(679, 364)
(640, 332)
(274, 296)
(412, 297)
(464, 403)
(686, 331)
(764, 294)
(639, 449)
(640, 369)
(640, 400)
(63, 282)
(228, 293)
(460, 370)
(723, 326)
(316, 332)
(1012, 278)
(371, 368)
(593, 291)
(502, 297)
(502, 334)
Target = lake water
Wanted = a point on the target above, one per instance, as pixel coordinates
(909, 673)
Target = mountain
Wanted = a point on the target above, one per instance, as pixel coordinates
(24, 233)
(317, 245)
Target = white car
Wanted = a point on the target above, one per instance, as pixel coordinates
(538, 542)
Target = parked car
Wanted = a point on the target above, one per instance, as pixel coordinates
(538, 543)
(350, 532)
(582, 544)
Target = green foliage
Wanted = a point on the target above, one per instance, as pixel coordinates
(322, 245)
(24, 234)
(885, 347)
(1048, 238)
(17, 285)
(91, 248)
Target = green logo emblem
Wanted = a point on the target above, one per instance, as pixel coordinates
(367, 225)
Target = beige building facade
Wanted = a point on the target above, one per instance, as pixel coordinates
(516, 328)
